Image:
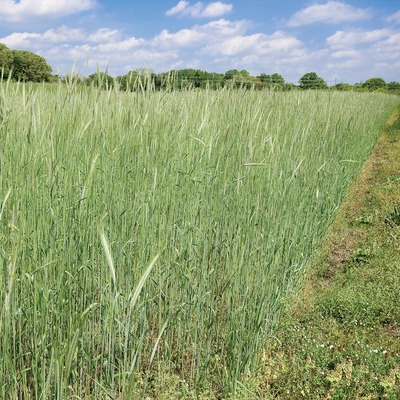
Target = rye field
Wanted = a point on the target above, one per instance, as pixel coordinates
(149, 231)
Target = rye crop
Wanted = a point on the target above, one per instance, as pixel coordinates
(162, 229)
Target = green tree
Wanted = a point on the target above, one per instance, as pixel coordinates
(393, 86)
(277, 79)
(239, 81)
(344, 87)
(312, 81)
(374, 83)
(263, 77)
(289, 86)
(6, 59)
(35, 68)
(271, 80)
(102, 79)
(18, 67)
(230, 74)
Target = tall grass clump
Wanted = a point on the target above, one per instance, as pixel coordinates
(161, 230)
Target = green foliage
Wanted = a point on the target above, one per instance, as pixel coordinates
(234, 72)
(240, 81)
(18, 67)
(34, 67)
(374, 84)
(270, 80)
(289, 86)
(278, 79)
(344, 87)
(6, 59)
(312, 81)
(394, 217)
(393, 86)
(364, 219)
(189, 78)
(102, 80)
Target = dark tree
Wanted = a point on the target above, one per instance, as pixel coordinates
(344, 87)
(18, 67)
(230, 74)
(264, 78)
(277, 79)
(374, 83)
(393, 86)
(35, 68)
(6, 59)
(312, 81)
(102, 79)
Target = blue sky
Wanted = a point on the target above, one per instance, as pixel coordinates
(343, 41)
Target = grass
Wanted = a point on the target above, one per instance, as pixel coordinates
(340, 337)
(151, 239)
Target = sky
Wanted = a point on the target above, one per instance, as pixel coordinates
(342, 41)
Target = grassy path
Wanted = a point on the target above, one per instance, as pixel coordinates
(342, 338)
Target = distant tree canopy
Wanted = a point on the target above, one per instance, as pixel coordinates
(374, 83)
(24, 65)
(234, 72)
(18, 67)
(312, 81)
(240, 81)
(6, 60)
(30, 67)
(393, 86)
(343, 87)
(194, 78)
(271, 79)
(101, 79)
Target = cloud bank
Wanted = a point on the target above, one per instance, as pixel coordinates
(10, 10)
(332, 12)
(199, 10)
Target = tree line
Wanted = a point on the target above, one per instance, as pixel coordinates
(190, 78)
(23, 65)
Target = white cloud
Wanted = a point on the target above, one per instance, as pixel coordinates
(223, 27)
(122, 46)
(394, 18)
(184, 37)
(259, 44)
(25, 39)
(355, 54)
(333, 12)
(342, 39)
(211, 10)
(178, 8)
(217, 9)
(211, 32)
(343, 65)
(104, 35)
(16, 11)
(388, 49)
(346, 54)
(19, 39)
